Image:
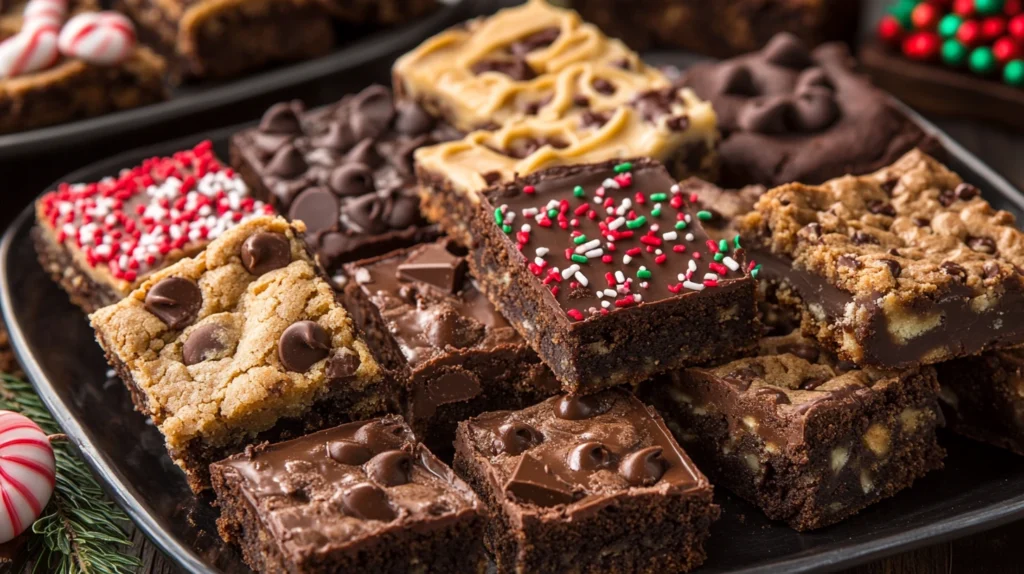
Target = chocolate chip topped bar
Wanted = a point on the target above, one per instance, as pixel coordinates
(983, 397)
(362, 497)
(241, 343)
(586, 484)
(100, 240)
(606, 271)
(808, 438)
(425, 317)
(345, 170)
(905, 266)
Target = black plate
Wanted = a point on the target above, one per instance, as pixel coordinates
(980, 488)
(192, 100)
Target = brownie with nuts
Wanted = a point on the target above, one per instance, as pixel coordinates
(607, 272)
(586, 484)
(790, 114)
(905, 266)
(345, 170)
(424, 316)
(244, 342)
(361, 497)
(983, 397)
(100, 240)
(809, 439)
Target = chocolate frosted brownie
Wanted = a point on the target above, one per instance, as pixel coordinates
(425, 318)
(242, 343)
(905, 266)
(100, 240)
(807, 438)
(721, 28)
(606, 271)
(224, 38)
(788, 114)
(361, 497)
(345, 170)
(586, 484)
(983, 397)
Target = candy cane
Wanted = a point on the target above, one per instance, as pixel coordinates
(27, 473)
(32, 49)
(104, 38)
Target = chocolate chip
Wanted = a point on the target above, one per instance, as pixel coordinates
(390, 468)
(401, 208)
(365, 153)
(367, 501)
(381, 435)
(644, 467)
(811, 383)
(265, 251)
(175, 301)
(991, 269)
(522, 147)
(845, 366)
(281, 119)
(815, 109)
(738, 81)
(589, 456)
(317, 208)
(287, 163)
(678, 123)
(581, 101)
(655, 104)
(807, 352)
(811, 232)
(881, 208)
(889, 185)
(342, 364)
(302, 345)
(954, 270)
(894, 267)
(348, 452)
(516, 69)
(603, 86)
(982, 244)
(371, 112)
(516, 438)
(574, 408)
(849, 261)
(814, 77)
(338, 138)
(862, 237)
(351, 179)
(966, 192)
(768, 115)
(922, 221)
(412, 119)
(787, 50)
(533, 107)
(534, 41)
(947, 197)
(592, 119)
(204, 342)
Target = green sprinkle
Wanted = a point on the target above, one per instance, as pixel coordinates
(755, 271)
(736, 242)
(638, 222)
(719, 256)
(680, 224)
(623, 167)
(703, 215)
(579, 258)
(552, 213)
(643, 274)
(723, 245)
(578, 191)
(656, 212)
(499, 217)
(506, 228)
(659, 196)
(579, 239)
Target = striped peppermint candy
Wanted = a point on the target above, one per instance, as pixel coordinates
(103, 38)
(27, 473)
(32, 49)
(46, 11)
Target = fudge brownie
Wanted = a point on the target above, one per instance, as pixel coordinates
(345, 170)
(983, 397)
(905, 266)
(425, 317)
(242, 343)
(607, 273)
(809, 439)
(100, 240)
(361, 497)
(586, 484)
(225, 38)
(721, 28)
(788, 114)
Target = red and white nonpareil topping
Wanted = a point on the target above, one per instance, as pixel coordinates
(131, 223)
(27, 473)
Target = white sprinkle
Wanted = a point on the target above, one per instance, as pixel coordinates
(658, 251)
(710, 277)
(539, 260)
(644, 284)
(510, 216)
(600, 192)
(568, 271)
(637, 297)
(598, 200)
(655, 227)
(592, 244)
(670, 236)
(674, 188)
(610, 184)
(530, 211)
(581, 278)
(600, 294)
(681, 277)
(689, 237)
(609, 292)
(620, 277)
(542, 251)
(526, 228)
(594, 253)
(693, 286)
(731, 263)
(626, 259)
(553, 204)
(692, 266)
(606, 304)
(617, 223)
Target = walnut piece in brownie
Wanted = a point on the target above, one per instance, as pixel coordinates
(345, 170)
(425, 317)
(807, 438)
(906, 266)
(788, 114)
(241, 343)
(361, 497)
(100, 240)
(586, 484)
(607, 273)
(983, 397)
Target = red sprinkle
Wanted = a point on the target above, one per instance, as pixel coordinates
(710, 283)
(660, 259)
(718, 268)
(575, 314)
(529, 190)
(675, 288)
(633, 252)
(679, 248)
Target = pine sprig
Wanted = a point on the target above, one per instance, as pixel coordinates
(80, 530)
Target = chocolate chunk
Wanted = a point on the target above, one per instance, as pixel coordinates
(412, 119)
(516, 69)
(339, 137)
(534, 41)
(863, 238)
(453, 386)
(881, 208)
(603, 86)
(287, 163)
(767, 115)
(654, 104)
(643, 467)
(574, 408)
(348, 452)
(589, 456)
(281, 119)
(390, 468)
(371, 112)
(342, 364)
(533, 482)
(845, 366)
(811, 231)
(516, 438)
(894, 267)
(317, 207)
(808, 352)
(302, 345)
(435, 266)
(591, 119)
(815, 109)
(813, 77)
(401, 208)
(265, 251)
(788, 51)
(848, 261)
(678, 123)
(811, 383)
(203, 343)
(175, 301)
(991, 269)
(738, 81)
(367, 501)
(581, 101)
(351, 179)
(947, 197)
(381, 435)
(982, 244)
(966, 192)
(268, 144)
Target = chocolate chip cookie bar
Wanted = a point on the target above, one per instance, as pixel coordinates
(425, 317)
(100, 240)
(983, 397)
(790, 114)
(809, 439)
(344, 170)
(586, 484)
(607, 273)
(905, 266)
(361, 497)
(242, 343)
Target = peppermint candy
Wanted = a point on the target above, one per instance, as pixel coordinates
(32, 49)
(52, 12)
(27, 473)
(104, 38)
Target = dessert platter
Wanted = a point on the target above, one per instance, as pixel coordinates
(556, 311)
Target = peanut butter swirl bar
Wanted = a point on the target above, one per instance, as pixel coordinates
(242, 343)
(902, 267)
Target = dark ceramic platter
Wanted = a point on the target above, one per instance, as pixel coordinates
(980, 488)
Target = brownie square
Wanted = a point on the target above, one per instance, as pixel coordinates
(586, 484)
(242, 343)
(905, 266)
(809, 439)
(607, 273)
(426, 319)
(361, 497)
(983, 397)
